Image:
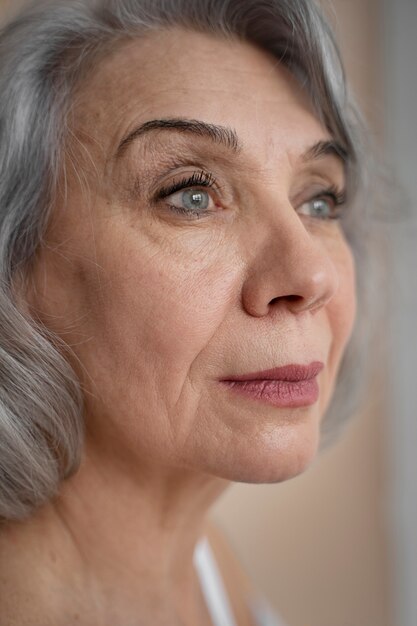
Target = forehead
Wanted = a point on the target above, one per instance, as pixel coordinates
(178, 73)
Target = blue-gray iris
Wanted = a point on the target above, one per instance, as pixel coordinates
(193, 199)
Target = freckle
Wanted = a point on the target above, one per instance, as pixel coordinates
(53, 557)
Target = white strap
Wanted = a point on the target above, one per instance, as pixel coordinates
(212, 585)
(264, 615)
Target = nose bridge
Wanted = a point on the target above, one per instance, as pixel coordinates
(289, 264)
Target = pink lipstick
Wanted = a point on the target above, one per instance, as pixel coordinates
(291, 386)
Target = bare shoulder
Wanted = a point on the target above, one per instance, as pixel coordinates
(237, 582)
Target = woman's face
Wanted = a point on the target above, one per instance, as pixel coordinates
(195, 251)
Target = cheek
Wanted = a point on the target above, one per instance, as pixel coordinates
(173, 308)
(342, 308)
(159, 308)
(346, 302)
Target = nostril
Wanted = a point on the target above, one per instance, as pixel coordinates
(274, 300)
(290, 298)
(294, 297)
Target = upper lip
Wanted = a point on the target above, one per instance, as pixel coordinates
(293, 372)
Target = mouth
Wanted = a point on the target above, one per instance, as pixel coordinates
(291, 386)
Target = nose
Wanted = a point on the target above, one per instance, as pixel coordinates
(289, 267)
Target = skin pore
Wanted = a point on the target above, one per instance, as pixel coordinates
(157, 305)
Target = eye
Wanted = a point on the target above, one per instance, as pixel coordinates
(188, 196)
(327, 206)
(191, 200)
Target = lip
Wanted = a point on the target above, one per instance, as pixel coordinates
(291, 386)
(291, 373)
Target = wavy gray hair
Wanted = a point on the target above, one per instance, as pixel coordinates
(45, 52)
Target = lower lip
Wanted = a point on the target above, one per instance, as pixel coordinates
(278, 393)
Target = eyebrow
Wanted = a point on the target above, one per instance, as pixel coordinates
(226, 137)
(326, 148)
(222, 135)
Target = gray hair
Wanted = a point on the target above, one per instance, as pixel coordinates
(45, 52)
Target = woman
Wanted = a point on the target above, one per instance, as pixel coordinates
(178, 226)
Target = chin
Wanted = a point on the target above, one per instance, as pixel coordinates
(274, 456)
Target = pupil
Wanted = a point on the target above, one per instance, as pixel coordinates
(320, 206)
(195, 199)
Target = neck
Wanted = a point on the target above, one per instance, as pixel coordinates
(118, 547)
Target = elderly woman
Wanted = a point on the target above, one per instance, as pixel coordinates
(178, 232)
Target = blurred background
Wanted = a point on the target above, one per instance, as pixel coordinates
(337, 546)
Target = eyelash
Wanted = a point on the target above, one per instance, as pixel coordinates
(207, 180)
(197, 179)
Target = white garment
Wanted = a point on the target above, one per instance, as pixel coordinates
(215, 593)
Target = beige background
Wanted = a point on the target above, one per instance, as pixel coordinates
(318, 545)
